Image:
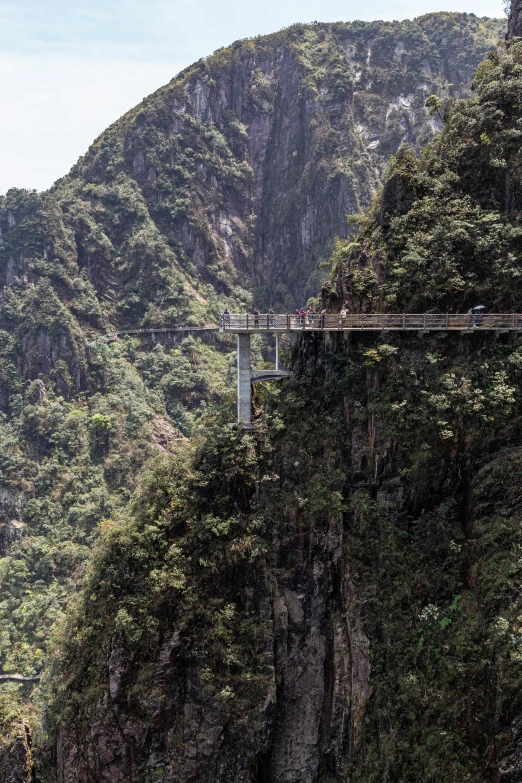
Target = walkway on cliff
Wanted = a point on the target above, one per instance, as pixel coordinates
(377, 322)
(19, 678)
(160, 330)
(244, 325)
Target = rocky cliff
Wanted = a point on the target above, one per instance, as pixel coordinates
(333, 598)
(16, 763)
(240, 173)
(243, 169)
(515, 21)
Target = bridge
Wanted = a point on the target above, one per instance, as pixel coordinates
(245, 324)
(159, 330)
(374, 322)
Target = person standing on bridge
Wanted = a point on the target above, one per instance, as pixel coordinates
(342, 316)
(477, 314)
(271, 318)
(256, 318)
(322, 319)
(226, 317)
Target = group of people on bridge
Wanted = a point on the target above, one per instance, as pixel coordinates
(302, 317)
(313, 318)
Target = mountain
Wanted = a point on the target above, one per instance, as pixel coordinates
(336, 596)
(228, 186)
(236, 177)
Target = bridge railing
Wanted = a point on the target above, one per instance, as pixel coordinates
(405, 321)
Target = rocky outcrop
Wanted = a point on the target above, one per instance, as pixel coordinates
(515, 20)
(398, 196)
(11, 526)
(375, 582)
(15, 755)
(309, 718)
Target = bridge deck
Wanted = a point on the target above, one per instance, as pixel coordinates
(161, 330)
(364, 322)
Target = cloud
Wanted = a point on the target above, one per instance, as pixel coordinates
(53, 108)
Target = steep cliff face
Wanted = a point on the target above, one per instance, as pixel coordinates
(15, 756)
(242, 170)
(16, 764)
(238, 175)
(515, 21)
(333, 598)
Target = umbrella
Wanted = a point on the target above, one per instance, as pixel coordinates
(479, 307)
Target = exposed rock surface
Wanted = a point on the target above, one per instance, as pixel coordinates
(15, 755)
(308, 721)
(515, 20)
(11, 527)
(240, 173)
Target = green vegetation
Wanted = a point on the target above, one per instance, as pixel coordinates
(146, 231)
(411, 447)
(430, 521)
(177, 210)
(169, 561)
(446, 232)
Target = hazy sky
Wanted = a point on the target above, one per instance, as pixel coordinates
(68, 68)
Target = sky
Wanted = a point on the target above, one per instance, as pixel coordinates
(69, 68)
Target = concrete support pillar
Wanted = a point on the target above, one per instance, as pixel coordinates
(277, 351)
(244, 402)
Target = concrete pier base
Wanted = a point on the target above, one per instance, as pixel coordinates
(244, 400)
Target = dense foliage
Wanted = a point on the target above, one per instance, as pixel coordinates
(162, 222)
(446, 233)
(430, 519)
(412, 445)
